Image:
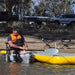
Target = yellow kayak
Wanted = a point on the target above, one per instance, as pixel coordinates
(58, 58)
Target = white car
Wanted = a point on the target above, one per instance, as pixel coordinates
(68, 19)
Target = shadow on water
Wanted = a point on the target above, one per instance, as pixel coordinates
(35, 68)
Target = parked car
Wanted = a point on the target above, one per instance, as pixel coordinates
(68, 19)
(6, 16)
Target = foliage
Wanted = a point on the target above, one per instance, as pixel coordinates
(53, 7)
(44, 7)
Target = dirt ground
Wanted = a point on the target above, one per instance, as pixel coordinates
(37, 44)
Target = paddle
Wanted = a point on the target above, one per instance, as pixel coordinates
(4, 51)
(51, 51)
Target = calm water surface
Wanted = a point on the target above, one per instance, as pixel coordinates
(36, 68)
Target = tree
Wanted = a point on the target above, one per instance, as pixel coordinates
(53, 7)
(44, 7)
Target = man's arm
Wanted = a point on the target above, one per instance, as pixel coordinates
(26, 46)
(15, 46)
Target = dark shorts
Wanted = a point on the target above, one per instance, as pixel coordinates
(16, 50)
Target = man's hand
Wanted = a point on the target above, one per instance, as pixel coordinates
(26, 48)
(22, 48)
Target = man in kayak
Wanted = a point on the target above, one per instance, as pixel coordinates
(16, 41)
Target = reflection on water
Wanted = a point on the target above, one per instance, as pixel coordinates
(36, 68)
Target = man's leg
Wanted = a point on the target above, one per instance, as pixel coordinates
(17, 57)
(11, 51)
(23, 52)
(11, 55)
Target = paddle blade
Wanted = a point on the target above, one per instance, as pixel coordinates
(51, 51)
(3, 52)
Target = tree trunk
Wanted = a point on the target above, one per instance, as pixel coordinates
(65, 6)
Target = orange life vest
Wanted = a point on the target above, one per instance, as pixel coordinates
(14, 38)
(17, 39)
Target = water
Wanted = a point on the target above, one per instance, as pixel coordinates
(35, 68)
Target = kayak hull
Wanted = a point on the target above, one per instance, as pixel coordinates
(55, 59)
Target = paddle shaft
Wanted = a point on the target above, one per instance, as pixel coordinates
(26, 50)
(4, 51)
